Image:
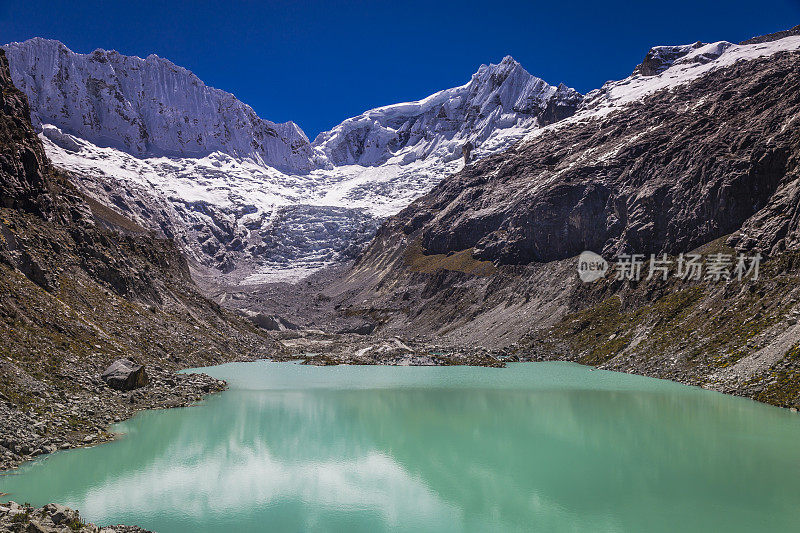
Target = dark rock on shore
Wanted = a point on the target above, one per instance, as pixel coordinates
(81, 416)
(125, 375)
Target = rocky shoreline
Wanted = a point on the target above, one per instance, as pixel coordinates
(51, 518)
(316, 347)
(83, 416)
(73, 419)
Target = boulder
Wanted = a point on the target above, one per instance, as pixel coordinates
(36, 527)
(58, 513)
(125, 375)
(270, 322)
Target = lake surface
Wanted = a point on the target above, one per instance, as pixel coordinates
(535, 446)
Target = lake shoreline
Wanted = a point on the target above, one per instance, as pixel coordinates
(559, 400)
(103, 406)
(100, 407)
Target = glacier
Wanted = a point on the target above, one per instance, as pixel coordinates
(249, 200)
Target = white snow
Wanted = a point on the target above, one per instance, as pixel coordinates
(499, 98)
(147, 107)
(286, 207)
(697, 62)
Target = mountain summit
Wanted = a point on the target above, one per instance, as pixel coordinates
(147, 107)
(243, 195)
(498, 97)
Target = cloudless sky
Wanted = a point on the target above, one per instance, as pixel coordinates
(317, 63)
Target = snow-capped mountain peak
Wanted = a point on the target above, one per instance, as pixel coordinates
(249, 197)
(497, 97)
(147, 107)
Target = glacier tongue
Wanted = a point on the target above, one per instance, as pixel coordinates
(254, 199)
(250, 222)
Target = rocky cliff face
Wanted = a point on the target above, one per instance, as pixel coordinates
(147, 107)
(702, 157)
(81, 286)
(22, 161)
(497, 97)
(667, 174)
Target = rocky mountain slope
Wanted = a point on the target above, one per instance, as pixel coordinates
(195, 164)
(697, 151)
(82, 286)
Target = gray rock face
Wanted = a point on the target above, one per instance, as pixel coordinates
(660, 58)
(665, 175)
(23, 164)
(125, 375)
(271, 322)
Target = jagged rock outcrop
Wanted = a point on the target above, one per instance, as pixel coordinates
(147, 107)
(660, 58)
(22, 160)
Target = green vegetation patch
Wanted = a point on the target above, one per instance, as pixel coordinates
(462, 261)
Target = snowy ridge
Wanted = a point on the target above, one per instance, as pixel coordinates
(681, 64)
(497, 98)
(147, 107)
(286, 207)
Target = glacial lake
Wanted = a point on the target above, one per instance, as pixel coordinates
(531, 447)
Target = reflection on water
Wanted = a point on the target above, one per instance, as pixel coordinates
(536, 446)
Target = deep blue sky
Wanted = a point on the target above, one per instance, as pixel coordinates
(317, 63)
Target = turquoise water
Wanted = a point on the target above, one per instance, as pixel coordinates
(535, 446)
